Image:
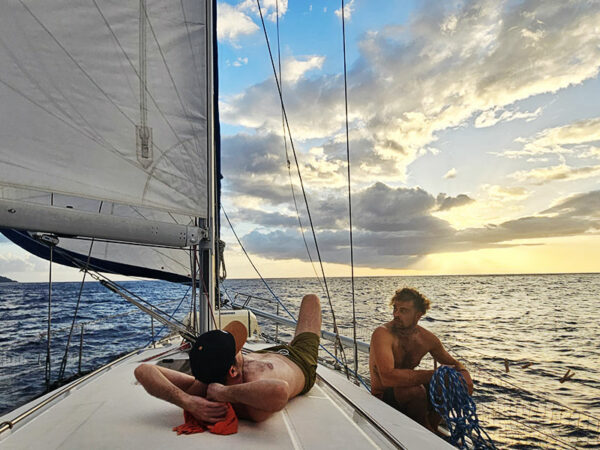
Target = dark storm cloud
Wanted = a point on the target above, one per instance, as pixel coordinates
(445, 202)
(410, 238)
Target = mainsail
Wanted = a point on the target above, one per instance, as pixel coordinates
(107, 109)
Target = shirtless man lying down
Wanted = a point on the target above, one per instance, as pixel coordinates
(257, 384)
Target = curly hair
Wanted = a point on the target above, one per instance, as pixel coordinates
(421, 302)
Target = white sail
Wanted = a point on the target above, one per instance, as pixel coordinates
(81, 82)
(106, 109)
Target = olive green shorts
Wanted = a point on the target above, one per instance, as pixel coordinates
(302, 351)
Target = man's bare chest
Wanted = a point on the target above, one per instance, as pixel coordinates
(408, 352)
(267, 365)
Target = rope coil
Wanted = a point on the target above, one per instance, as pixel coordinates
(449, 396)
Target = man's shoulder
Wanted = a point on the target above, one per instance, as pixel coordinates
(382, 332)
(427, 335)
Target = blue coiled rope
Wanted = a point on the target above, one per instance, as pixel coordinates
(450, 397)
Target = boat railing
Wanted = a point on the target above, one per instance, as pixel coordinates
(85, 326)
(244, 303)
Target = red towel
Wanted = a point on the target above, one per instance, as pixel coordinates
(228, 425)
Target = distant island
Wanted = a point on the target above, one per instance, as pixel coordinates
(6, 280)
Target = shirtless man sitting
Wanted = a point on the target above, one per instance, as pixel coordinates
(397, 347)
(257, 384)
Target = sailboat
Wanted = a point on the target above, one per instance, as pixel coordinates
(109, 162)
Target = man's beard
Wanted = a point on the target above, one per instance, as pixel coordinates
(400, 328)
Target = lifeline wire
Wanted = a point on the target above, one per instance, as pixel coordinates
(335, 327)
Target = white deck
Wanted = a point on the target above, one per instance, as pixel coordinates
(112, 411)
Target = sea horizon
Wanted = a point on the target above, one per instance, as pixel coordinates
(499, 274)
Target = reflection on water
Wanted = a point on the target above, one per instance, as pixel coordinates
(549, 321)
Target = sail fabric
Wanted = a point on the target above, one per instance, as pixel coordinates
(106, 100)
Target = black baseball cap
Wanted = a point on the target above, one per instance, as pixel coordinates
(214, 352)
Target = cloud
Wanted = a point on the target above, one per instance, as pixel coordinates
(255, 166)
(293, 69)
(577, 205)
(446, 202)
(510, 193)
(575, 138)
(10, 263)
(494, 116)
(399, 241)
(269, 8)
(449, 65)
(233, 23)
(349, 8)
(240, 61)
(450, 174)
(453, 64)
(560, 172)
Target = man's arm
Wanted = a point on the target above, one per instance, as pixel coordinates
(381, 348)
(441, 355)
(261, 398)
(181, 390)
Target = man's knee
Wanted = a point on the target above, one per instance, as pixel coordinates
(311, 299)
(311, 303)
(141, 372)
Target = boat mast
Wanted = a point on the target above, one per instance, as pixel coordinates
(208, 255)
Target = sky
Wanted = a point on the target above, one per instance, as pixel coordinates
(474, 137)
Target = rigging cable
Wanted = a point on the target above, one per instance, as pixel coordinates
(63, 364)
(349, 194)
(349, 371)
(48, 359)
(171, 315)
(97, 275)
(338, 342)
(287, 158)
(254, 267)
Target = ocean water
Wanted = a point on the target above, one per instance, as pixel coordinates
(535, 326)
